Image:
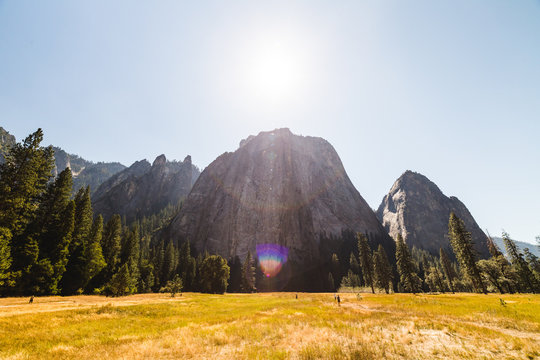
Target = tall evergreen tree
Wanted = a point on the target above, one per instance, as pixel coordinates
(493, 248)
(382, 270)
(131, 252)
(366, 260)
(5, 256)
(462, 244)
(248, 275)
(93, 255)
(75, 278)
(527, 281)
(52, 228)
(23, 179)
(534, 263)
(122, 283)
(169, 263)
(187, 266)
(146, 268)
(353, 264)
(111, 243)
(448, 269)
(405, 266)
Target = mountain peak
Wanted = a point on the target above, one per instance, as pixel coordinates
(277, 188)
(417, 209)
(160, 160)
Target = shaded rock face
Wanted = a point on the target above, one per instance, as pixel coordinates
(144, 189)
(277, 188)
(417, 209)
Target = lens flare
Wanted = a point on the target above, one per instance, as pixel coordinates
(271, 258)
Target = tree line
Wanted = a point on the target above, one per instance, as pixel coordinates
(51, 242)
(418, 271)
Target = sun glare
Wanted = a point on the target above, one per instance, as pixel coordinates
(275, 72)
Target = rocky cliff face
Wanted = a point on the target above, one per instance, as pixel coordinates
(277, 188)
(6, 140)
(417, 209)
(144, 189)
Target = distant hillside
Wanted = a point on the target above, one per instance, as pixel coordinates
(84, 172)
(521, 245)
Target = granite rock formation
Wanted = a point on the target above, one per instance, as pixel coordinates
(144, 189)
(276, 188)
(418, 210)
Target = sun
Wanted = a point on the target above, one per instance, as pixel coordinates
(275, 72)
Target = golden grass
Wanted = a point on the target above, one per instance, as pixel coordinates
(271, 326)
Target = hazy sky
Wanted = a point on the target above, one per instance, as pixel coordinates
(450, 89)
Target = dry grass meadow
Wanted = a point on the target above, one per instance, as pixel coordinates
(272, 326)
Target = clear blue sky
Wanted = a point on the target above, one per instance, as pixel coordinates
(450, 89)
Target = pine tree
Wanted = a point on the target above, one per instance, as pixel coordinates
(407, 274)
(146, 268)
(462, 244)
(93, 255)
(187, 266)
(493, 248)
(169, 263)
(366, 260)
(131, 251)
(121, 283)
(111, 244)
(23, 179)
(248, 275)
(75, 278)
(534, 263)
(527, 281)
(5, 256)
(448, 270)
(353, 264)
(52, 228)
(382, 270)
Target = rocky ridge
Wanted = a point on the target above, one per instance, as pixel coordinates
(144, 189)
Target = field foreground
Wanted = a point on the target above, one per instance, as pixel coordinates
(271, 326)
